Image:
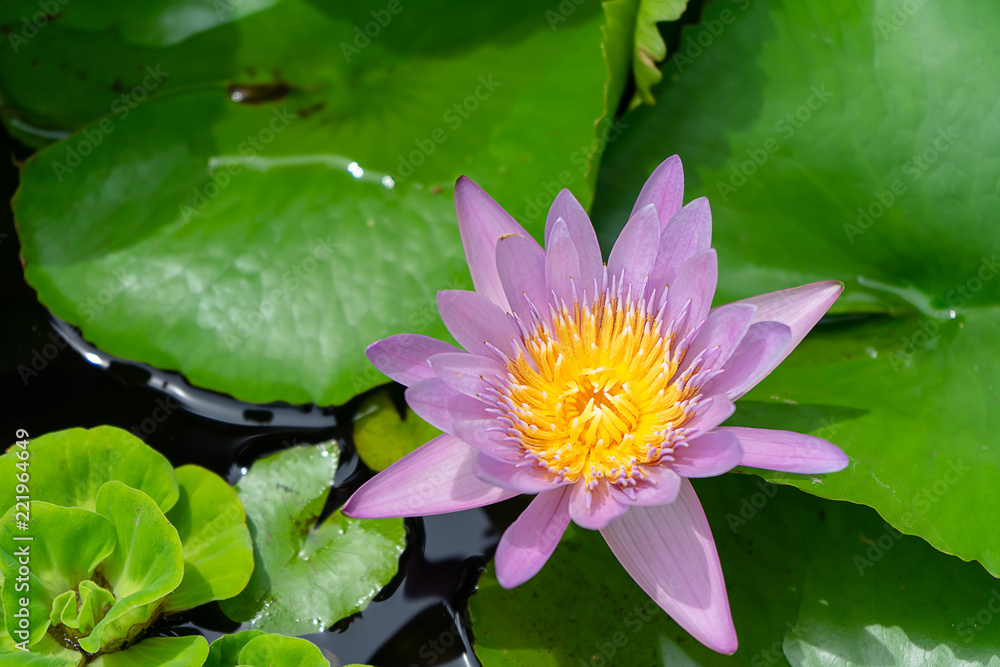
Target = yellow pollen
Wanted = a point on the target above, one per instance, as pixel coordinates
(594, 396)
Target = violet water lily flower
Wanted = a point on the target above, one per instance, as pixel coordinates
(598, 388)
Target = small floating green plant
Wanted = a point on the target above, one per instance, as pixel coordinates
(100, 540)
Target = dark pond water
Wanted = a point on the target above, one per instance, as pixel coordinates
(52, 379)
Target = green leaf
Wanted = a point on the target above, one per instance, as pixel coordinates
(278, 651)
(231, 240)
(883, 598)
(225, 651)
(211, 524)
(159, 651)
(382, 438)
(66, 546)
(69, 467)
(833, 148)
(814, 576)
(146, 565)
(305, 580)
(650, 48)
(283, 495)
(47, 652)
(80, 610)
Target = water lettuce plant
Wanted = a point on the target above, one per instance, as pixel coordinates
(103, 538)
(255, 648)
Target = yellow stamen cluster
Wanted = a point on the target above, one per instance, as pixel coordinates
(593, 398)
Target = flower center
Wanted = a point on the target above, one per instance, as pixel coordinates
(596, 396)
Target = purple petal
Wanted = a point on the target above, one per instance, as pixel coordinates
(662, 488)
(441, 406)
(476, 323)
(709, 416)
(467, 373)
(761, 350)
(581, 232)
(521, 266)
(404, 357)
(607, 505)
(693, 290)
(664, 189)
(528, 478)
(787, 451)
(635, 250)
(723, 330)
(489, 437)
(572, 212)
(562, 266)
(481, 223)
(688, 233)
(529, 541)
(799, 308)
(670, 552)
(708, 455)
(437, 478)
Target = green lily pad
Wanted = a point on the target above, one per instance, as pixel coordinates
(831, 147)
(159, 651)
(69, 467)
(883, 598)
(146, 565)
(295, 254)
(281, 651)
(808, 580)
(306, 579)
(382, 438)
(211, 524)
(66, 546)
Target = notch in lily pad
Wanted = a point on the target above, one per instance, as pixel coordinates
(307, 576)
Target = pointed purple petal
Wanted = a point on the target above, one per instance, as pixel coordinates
(693, 290)
(474, 322)
(521, 478)
(404, 357)
(635, 250)
(761, 350)
(799, 308)
(529, 541)
(664, 189)
(711, 415)
(582, 234)
(607, 505)
(688, 233)
(521, 266)
(708, 455)
(562, 266)
(661, 488)
(468, 374)
(481, 223)
(437, 478)
(724, 329)
(488, 437)
(572, 212)
(441, 406)
(788, 451)
(670, 552)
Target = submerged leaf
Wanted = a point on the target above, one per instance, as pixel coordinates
(307, 577)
